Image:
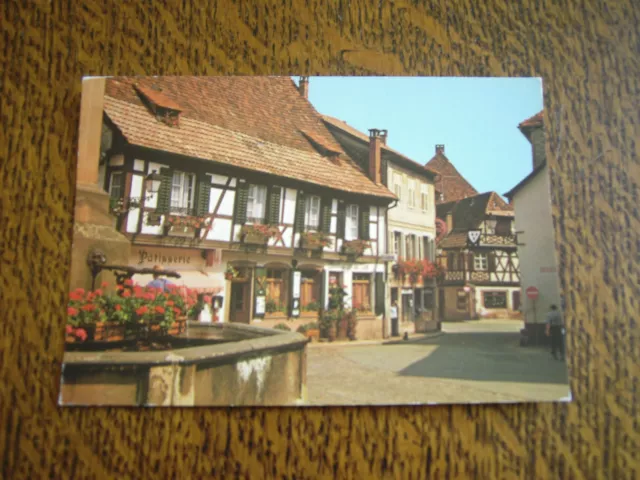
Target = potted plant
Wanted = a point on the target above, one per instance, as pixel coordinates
(355, 248)
(257, 233)
(315, 240)
(231, 273)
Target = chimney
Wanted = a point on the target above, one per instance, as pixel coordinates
(449, 222)
(439, 149)
(303, 86)
(376, 139)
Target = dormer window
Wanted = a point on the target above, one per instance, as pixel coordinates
(163, 108)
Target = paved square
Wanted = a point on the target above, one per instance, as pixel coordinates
(471, 362)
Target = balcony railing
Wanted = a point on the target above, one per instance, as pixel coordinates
(488, 239)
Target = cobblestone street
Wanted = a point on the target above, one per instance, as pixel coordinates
(471, 362)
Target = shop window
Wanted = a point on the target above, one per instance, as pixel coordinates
(462, 300)
(310, 288)
(361, 297)
(276, 287)
(495, 299)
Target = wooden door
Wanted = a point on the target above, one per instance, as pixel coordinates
(240, 308)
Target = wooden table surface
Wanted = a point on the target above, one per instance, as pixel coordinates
(588, 54)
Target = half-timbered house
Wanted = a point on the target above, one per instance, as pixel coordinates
(258, 204)
(478, 249)
(411, 225)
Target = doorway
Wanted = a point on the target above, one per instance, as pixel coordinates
(240, 306)
(407, 307)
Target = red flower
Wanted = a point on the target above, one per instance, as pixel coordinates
(118, 307)
(142, 310)
(119, 287)
(149, 296)
(126, 294)
(170, 303)
(72, 311)
(75, 296)
(128, 282)
(159, 309)
(98, 292)
(80, 291)
(69, 329)
(207, 299)
(177, 311)
(104, 284)
(81, 333)
(89, 307)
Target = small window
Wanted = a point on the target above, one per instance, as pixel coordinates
(495, 299)
(480, 261)
(312, 213)
(412, 193)
(352, 222)
(115, 185)
(424, 197)
(256, 203)
(182, 192)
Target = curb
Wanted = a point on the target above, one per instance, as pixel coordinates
(363, 343)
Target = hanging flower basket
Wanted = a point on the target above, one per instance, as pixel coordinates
(257, 233)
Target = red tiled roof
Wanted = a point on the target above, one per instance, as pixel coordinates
(344, 126)
(158, 98)
(536, 121)
(255, 123)
(451, 183)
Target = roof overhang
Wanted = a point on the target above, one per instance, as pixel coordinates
(511, 193)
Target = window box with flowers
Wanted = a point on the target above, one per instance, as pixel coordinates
(355, 248)
(185, 225)
(315, 240)
(257, 233)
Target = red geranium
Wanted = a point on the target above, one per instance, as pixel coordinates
(176, 311)
(104, 284)
(69, 329)
(81, 333)
(159, 309)
(126, 294)
(72, 311)
(89, 307)
(142, 310)
(118, 307)
(128, 282)
(207, 299)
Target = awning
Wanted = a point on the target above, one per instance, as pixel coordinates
(210, 283)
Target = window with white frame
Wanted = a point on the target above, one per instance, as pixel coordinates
(412, 193)
(351, 223)
(115, 185)
(397, 243)
(424, 197)
(312, 213)
(480, 261)
(256, 203)
(182, 191)
(410, 247)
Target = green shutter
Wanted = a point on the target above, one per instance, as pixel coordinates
(299, 220)
(164, 192)
(204, 193)
(363, 228)
(242, 197)
(342, 217)
(325, 215)
(379, 294)
(273, 209)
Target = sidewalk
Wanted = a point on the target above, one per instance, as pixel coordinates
(413, 338)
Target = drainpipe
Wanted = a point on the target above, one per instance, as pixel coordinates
(387, 311)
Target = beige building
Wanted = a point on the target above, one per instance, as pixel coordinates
(410, 222)
(531, 199)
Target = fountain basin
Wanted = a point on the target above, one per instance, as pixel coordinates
(228, 365)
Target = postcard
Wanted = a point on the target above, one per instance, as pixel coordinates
(310, 241)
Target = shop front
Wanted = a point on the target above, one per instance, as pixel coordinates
(199, 269)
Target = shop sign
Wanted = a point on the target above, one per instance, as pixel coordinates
(166, 257)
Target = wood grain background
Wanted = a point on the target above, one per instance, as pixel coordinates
(588, 54)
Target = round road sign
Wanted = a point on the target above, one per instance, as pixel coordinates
(532, 293)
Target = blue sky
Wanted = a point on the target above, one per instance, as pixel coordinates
(475, 118)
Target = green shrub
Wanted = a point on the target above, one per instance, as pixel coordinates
(282, 326)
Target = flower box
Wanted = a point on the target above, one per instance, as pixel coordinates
(257, 234)
(315, 240)
(355, 248)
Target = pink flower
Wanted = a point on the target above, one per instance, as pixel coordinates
(81, 333)
(104, 284)
(69, 329)
(128, 282)
(72, 311)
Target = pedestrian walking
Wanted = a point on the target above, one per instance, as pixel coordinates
(555, 330)
(394, 320)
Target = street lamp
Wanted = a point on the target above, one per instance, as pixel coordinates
(152, 182)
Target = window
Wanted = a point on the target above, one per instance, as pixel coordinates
(427, 248)
(397, 243)
(361, 298)
(495, 299)
(451, 261)
(276, 290)
(462, 300)
(115, 185)
(351, 230)
(397, 185)
(412, 193)
(424, 197)
(256, 203)
(490, 226)
(480, 261)
(410, 247)
(312, 213)
(504, 227)
(182, 192)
